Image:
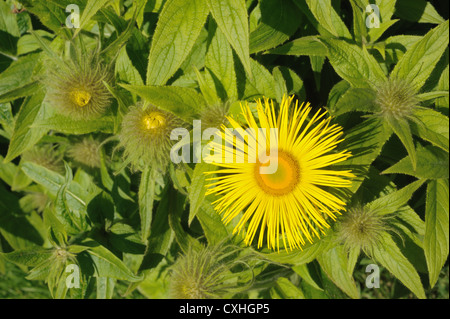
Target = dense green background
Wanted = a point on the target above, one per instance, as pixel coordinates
(186, 57)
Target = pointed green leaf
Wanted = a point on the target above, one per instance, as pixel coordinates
(328, 18)
(146, 200)
(76, 194)
(262, 83)
(365, 141)
(304, 273)
(354, 64)
(432, 126)
(30, 257)
(355, 100)
(67, 125)
(279, 20)
(232, 18)
(390, 256)
(419, 61)
(335, 263)
(106, 264)
(89, 11)
(432, 163)
(402, 129)
(179, 25)
(181, 101)
(24, 136)
(394, 201)
(309, 45)
(220, 62)
(436, 241)
(211, 222)
(417, 11)
(197, 189)
(284, 289)
(299, 257)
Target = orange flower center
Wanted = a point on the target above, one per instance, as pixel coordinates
(284, 180)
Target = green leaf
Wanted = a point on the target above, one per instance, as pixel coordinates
(355, 100)
(176, 209)
(432, 126)
(18, 74)
(26, 90)
(328, 18)
(197, 189)
(24, 136)
(432, 163)
(76, 195)
(443, 85)
(436, 241)
(394, 201)
(280, 84)
(161, 234)
(419, 61)
(359, 25)
(294, 83)
(52, 15)
(67, 125)
(309, 45)
(402, 129)
(232, 18)
(365, 141)
(210, 91)
(183, 102)
(335, 263)
(284, 289)
(376, 33)
(105, 288)
(211, 222)
(29, 257)
(417, 11)
(220, 62)
(300, 257)
(432, 95)
(390, 256)
(8, 21)
(146, 199)
(89, 11)
(279, 21)
(106, 264)
(179, 25)
(354, 64)
(262, 84)
(72, 220)
(303, 271)
(125, 70)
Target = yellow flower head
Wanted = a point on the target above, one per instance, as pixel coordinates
(293, 204)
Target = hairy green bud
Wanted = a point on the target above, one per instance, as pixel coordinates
(145, 136)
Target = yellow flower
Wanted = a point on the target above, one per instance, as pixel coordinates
(292, 205)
